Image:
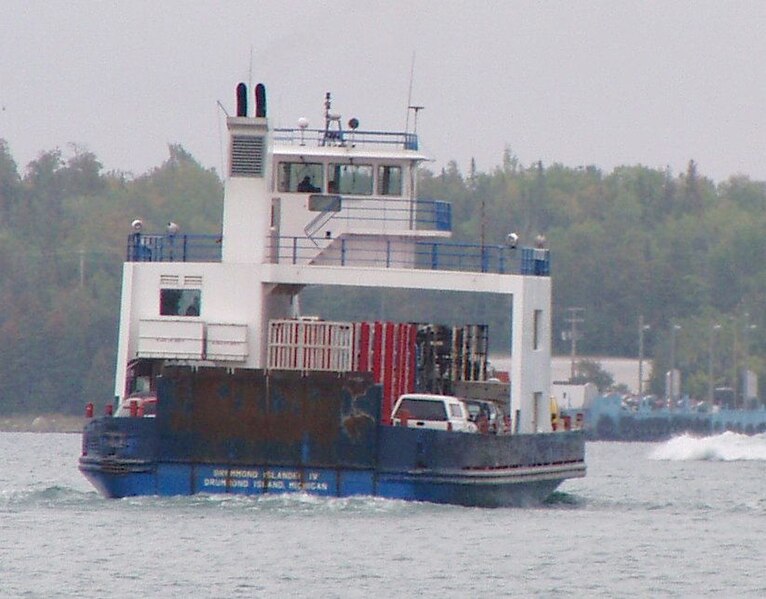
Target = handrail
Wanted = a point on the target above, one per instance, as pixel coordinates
(425, 255)
(319, 137)
(351, 251)
(173, 248)
(421, 215)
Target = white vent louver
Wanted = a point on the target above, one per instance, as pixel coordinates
(193, 281)
(247, 155)
(168, 280)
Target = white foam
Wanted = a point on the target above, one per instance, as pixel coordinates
(726, 447)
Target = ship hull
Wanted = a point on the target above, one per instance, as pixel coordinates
(516, 486)
(256, 433)
(469, 490)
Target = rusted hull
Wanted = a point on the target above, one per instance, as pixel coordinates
(251, 433)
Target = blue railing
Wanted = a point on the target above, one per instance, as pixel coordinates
(420, 215)
(173, 248)
(426, 255)
(321, 137)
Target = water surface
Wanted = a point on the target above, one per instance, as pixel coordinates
(686, 518)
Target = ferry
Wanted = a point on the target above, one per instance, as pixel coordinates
(612, 417)
(223, 386)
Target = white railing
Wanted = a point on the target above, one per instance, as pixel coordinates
(311, 345)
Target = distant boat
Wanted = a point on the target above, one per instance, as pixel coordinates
(608, 417)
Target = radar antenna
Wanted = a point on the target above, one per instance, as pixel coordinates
(331, 135)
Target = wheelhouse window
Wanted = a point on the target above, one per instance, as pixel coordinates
(350, 179)
(389, 180)
(180, 302)
(300, 177)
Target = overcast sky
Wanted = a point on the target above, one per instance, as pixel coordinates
(579, 83)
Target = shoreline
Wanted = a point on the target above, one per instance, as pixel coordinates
(41, 423)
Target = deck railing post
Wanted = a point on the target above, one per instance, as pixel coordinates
(295, 250)
(434, 257)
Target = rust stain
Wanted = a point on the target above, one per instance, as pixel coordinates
(279, 407)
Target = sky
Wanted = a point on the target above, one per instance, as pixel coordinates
(580, 83)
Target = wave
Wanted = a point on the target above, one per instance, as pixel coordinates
(564, 500)
(726, 447)
(51, 496)
(287, 504)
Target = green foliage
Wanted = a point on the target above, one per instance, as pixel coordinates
(633, 241)
(63, 231)
(589, 371)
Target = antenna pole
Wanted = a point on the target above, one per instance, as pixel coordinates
(409, 96)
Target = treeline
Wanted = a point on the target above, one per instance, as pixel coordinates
(675, 248)
(686, 254)
(63, 231)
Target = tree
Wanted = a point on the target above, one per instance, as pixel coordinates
(590, 371)
(9, 182)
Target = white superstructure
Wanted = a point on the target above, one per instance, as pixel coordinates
(306, 207)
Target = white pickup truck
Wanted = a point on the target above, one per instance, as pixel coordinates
(439, 412)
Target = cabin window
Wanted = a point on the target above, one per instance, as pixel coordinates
(350, 179)
(324, 203)
(389, 180)
(300, 177)
(180, 302)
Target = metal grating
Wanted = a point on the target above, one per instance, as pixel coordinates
(247, 154)
(308, 345)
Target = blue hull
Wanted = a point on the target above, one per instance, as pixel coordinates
(463, 489)
(246, 435)
(519, 485)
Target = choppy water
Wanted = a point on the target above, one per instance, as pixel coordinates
(685, 518)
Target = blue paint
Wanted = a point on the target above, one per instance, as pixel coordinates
(408, 469)
(318, 435)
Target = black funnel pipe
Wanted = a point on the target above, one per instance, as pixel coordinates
(260, 100)
(241, 99)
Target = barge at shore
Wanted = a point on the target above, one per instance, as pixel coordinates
(222, 386)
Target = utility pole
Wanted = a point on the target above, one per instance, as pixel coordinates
(674, 328)
(746, 350)
(641, 328)
(575, 318)
(711, 353)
